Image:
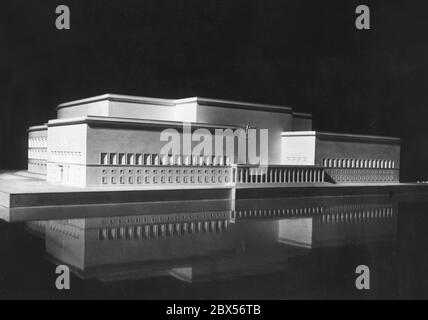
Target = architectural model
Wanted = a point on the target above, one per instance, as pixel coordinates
(117, 140)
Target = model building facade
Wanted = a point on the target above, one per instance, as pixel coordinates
(115, 140)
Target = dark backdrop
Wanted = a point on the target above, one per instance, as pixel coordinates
(305, 54)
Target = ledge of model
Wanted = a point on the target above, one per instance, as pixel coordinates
(117, 97)
(341, 136)
(302, 115)
(38, 128)
(235, 104)
(175, 102)
(126, 122)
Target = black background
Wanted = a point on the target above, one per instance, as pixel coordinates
(304, 54)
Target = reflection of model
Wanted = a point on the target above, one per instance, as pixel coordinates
(341, 226)
(216, 244)
(115, 140)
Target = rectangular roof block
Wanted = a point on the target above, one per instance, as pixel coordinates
(152, 108)
(341, 136)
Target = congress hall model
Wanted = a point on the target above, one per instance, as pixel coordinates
(118, 140)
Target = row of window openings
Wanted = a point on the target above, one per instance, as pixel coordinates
(170, 229)
(277, 212)
(346, 171)
(66, 153)
(354, 210)
(38, 164)
(367, 214)
(163, 179)
(38, 142)
(156, 159)
(365, 178)
(169, 171)
(358, 163)
(162, 219)
(281, 176)
(37, 154)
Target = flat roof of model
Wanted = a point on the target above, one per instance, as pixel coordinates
(174, 102)
(119, 98)
(236, 104)
(38, 128)
(340, 136)
(302, 115)
(131, 122)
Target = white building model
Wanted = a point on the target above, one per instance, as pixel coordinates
(116, 140)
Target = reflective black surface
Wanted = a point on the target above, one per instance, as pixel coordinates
(256, 249)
